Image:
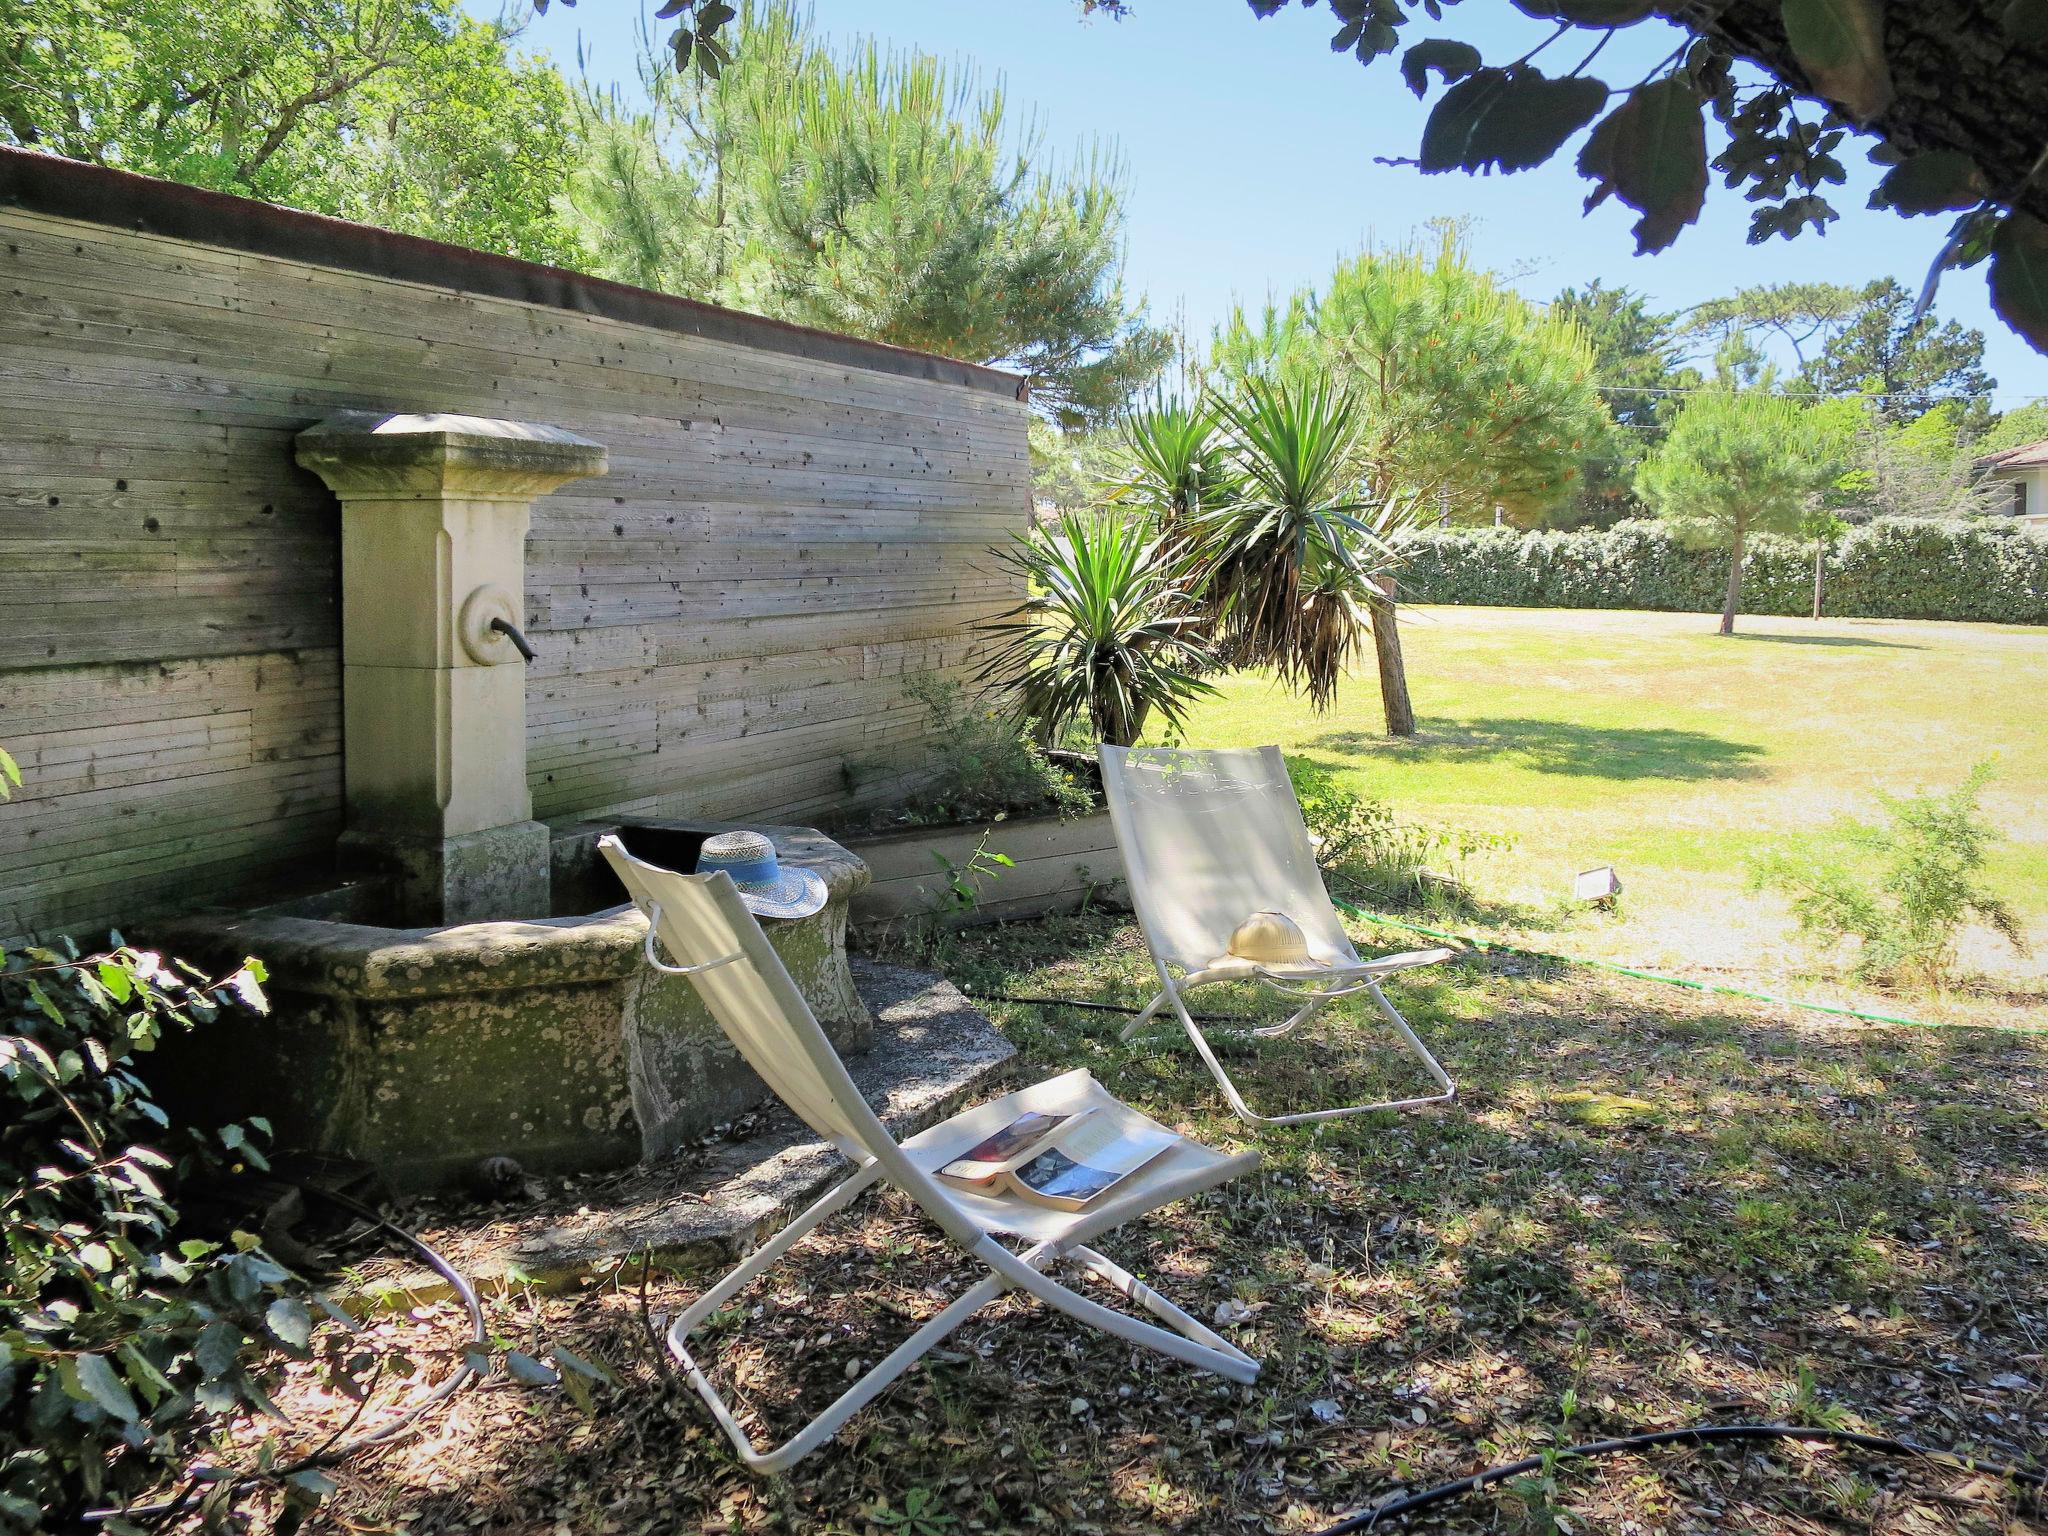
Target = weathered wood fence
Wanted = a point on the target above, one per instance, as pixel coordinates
(792, 522)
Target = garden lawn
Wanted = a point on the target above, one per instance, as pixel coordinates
(1649, 1208)
(1647, 741)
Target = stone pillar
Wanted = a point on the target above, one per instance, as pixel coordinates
(434, 513)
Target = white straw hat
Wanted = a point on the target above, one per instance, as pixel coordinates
(766, 888)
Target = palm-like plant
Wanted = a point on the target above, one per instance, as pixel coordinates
(1288, 560)
(1175, 462)
(1109, 634)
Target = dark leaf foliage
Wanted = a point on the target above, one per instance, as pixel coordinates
(1506, 119)
(1449, 57)
(1840, 44)
(122, 1331)
(2019, 276)
(1651, 152)
(1588, 13)
(1933, 181)
(2025, 21)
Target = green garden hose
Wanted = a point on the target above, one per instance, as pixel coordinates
(1669, 981)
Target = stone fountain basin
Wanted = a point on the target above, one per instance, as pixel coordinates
(422, 1051)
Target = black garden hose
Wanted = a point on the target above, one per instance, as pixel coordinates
(1122, 1008)
(1399, 1506)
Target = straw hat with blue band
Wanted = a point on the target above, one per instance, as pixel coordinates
(766, 888)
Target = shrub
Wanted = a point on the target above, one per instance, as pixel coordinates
(983, 764)
(1991, 572)
(1367, 852)
(123, 1332)
(1107, 636)
(1904, 890)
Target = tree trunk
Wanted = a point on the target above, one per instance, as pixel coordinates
(1820, 555)
(1386, 645)
(1734, 579)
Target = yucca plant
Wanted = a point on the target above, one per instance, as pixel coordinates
(1288, 559)
(1110, 633)
(1175, 462)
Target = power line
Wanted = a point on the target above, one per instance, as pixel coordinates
(1860, 394)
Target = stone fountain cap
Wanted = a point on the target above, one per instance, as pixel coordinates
(435, 450)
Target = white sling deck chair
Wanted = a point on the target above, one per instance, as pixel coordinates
(716, 942)
(1209, 838)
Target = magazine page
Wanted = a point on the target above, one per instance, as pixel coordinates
(1003, 1150)
(1088, 1162)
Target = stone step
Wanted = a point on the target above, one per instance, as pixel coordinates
(934, 1053)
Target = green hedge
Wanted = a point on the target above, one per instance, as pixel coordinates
(1894, 568)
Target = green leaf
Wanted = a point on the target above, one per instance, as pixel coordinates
(1512, 119)
(289, 1321)
(218, 1349)
(312, 1482)
(1651, 152)
(99, 1381)
(42, 1000)
(2019, 276)
(522, 1367)
(1588, 13)
(570, 1360)
(116, 980)
(1933, 181)
(1449, 57)
(2026, 21)
(1840, 45)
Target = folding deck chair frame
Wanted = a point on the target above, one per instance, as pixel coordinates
(1196, 870)
(717, 943)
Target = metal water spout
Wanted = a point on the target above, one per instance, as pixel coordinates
(512, 632)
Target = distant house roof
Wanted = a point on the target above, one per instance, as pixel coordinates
(2026, 456)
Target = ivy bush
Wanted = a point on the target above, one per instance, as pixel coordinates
(124, 1333)
(1894, 568)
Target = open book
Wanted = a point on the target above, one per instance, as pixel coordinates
(1064, 1161)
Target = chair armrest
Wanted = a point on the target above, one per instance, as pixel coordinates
(661, 965)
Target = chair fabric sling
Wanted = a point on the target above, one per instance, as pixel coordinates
(711, 938)
(1208, 838)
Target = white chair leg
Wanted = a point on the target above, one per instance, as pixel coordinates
(830, 1204)
(854, 1398)
(1193, 1343)
(1288, 1026)
(1430, 1063)
(1228, 1361)
(1138, 1291)
(1251, 1117)
(1130, 1030)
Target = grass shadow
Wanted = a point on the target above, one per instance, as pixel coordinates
(1850, 640)
(1562, 747)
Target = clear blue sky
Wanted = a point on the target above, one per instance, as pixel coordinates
(1250, 150)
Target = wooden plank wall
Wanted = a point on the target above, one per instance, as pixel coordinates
(723, 622)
